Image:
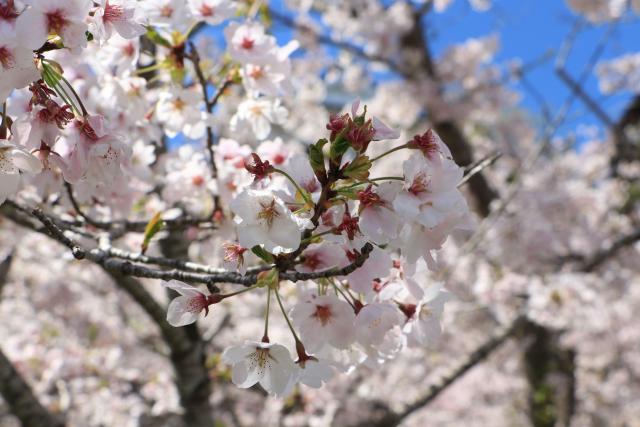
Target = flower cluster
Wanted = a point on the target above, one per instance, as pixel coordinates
(325, 213)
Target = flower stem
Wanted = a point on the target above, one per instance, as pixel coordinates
(382, 178)
(308, 239)
(265, 337)
(284, 313)
(341, 292)
(295, 184)
(389, 152)
(241, 291)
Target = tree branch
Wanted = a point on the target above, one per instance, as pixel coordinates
(442, 383)
(15, 390)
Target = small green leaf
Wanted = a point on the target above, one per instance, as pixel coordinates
(358, 169)
(262, 254)
(153, 227)
(269, 278)
(89, 36)
(154, 36)
(338, 147)
(316, 157)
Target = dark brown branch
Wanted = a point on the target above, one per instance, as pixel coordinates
(120, 266)
(187, 355)
(437, 387)
(594, 261)
(15, 390)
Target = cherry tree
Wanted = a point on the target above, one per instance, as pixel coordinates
(257, 230)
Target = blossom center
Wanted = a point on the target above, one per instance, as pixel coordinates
(197, 180)
(206, 10)
(56, 21)
(128, 49)
(6, 58)
(166, 11)
(312, 261)
(247, 43)
(113, 13)
(256, 72)
(368, 198)
(419, 184)
(260, 359)
(7, 12)
(179, 104)
(323, 314)
(196, 304)
(269, 212)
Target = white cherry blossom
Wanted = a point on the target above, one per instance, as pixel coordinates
(14, 160)
(254, 362)
(186, 308)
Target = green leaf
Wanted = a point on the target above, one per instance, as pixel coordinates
(269, 278)
(153, 227)
(316, 157)
(262, 254)
(88, 35)
(154, 36)
(358, 169)
(338, 147)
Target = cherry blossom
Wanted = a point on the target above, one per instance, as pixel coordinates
(263, 219)
(17, 68)
(259, 114)
(186, 308)
(324, 319)
(254, 362)
(118, 15)
(213, 12)
(14, 160)
(65, 18)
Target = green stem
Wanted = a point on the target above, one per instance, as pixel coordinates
(369, 181)
(295, 184)
(308, 239)
(153, 67)
(84, 110)
(284, 313)
(389, 152)
(341, 292)
(265, 337)
(239, 292)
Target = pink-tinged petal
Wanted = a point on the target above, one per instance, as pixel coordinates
(183, 288)
(31, 27)
(241, 376)
(235, 354)
(181, 311)
(383, 131)
(355, 106)
(26, 161)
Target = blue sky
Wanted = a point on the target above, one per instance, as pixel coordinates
(527, 29)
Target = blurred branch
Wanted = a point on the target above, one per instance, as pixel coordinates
(416, 41)
(15, 390)
(595, 260)
(478, 166)
(442, 383)
(194, 57)
(187, 355)
(329, 41)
